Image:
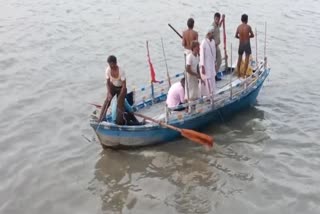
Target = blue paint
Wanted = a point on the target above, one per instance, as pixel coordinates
(156, 134)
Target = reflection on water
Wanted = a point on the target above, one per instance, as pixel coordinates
(169, 179)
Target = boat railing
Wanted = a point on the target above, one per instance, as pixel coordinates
(222, 96)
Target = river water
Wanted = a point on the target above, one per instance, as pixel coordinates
(52, 59)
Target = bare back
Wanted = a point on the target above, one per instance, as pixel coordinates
(244, 33)
(189, 36)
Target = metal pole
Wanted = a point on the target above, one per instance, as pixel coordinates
(265, 45)
(231, 73)
(256, 48)
(186, 80)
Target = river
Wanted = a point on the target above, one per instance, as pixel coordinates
(52, 60)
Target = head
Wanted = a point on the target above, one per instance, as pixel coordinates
(182, 81)
(217, 17)
(210, 33)
(190, 23)
(195, 46)
(244, 18)
(112, 61)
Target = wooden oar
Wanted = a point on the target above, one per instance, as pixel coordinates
(187, 133)
(175, 31)
(225, 43)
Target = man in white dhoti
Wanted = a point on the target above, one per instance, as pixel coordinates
(193, 75)
(207, 64)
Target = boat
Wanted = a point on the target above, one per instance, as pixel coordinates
(233, 95)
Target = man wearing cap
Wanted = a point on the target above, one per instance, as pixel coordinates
(207, 63)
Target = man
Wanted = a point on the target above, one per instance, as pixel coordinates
(189, 35)
(193, 74)
(244, 33)
(175, 95)
(207, 63)
(216, 37)
(116, 84)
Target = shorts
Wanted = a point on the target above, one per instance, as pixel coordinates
(244, 47)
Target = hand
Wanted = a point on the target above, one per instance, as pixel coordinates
(198, 76)
(223, 16)
(108, 94)
(203, 71)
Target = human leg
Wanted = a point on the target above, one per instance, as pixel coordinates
(238, 65)
(248, 53)
(246, 63)
(113, 91)
(120, 119)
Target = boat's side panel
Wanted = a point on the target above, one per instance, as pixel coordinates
(115, 138)
(223, 113)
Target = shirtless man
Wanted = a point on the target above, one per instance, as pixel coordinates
(244, 33)
(188, 36)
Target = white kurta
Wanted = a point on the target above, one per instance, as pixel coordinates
(193, 83)
(208, 60)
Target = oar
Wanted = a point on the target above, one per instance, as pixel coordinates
(175, 31)
(187, 133)
(225, 43)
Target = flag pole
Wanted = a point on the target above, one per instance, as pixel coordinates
(152, 73)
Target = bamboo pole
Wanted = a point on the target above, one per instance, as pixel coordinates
(256, 47)
(165, 60)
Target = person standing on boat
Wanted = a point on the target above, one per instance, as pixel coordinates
(216, 37)
(188, 36)
(116, 84)
(207, 63)
(175, 95)
(244, 33)
(193, 74)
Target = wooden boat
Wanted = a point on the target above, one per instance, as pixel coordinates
(232, 96)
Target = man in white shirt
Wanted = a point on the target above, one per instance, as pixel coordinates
(208, 63)
(116, 84)
(193, 74)
(175, 95)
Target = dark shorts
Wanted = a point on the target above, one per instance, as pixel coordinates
(244, 47)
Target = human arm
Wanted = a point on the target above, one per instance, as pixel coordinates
(123, 80)
(184, 41)
(201, 62)
(108, 82)
(181, 95)
(237, 33)
(250, 32)
(124, 86)
(222, 20)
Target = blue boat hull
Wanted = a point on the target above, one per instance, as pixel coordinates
(128, 136)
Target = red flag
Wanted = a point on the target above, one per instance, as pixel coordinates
(152, 73)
